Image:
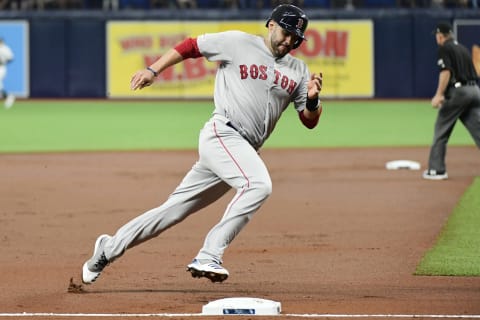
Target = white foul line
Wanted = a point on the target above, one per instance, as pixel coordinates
(173, 315)
(40, 314)
(408, 316)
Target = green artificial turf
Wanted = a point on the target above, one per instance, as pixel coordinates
(104, 125)
(100, 125)
(457, 251)
(89, 125)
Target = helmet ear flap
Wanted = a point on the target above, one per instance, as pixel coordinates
(297, 43)
(268, 21)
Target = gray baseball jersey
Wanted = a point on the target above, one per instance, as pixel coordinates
(252, 87)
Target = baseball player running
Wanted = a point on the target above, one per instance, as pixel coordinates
(6, 56)
(457, 97)
(256, 80)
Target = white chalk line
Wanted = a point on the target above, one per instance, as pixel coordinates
(173, 315)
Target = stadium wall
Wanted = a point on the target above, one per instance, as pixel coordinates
(68, 48)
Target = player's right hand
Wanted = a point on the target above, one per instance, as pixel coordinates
(437, 101)
(141, 79)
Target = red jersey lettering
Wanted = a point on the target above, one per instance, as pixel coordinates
(254, 71)
(243, 72)
(260, 72)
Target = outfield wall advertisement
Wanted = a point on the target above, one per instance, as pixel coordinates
(341, 49)
(15, 35)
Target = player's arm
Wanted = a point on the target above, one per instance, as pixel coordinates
(443, 80)
(311, 114)
(186, 49)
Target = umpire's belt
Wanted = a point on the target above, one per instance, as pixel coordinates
(465, 83)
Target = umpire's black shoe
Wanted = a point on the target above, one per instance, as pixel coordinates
(431, 174)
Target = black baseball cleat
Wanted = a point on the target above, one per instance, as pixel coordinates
(208, 269)
(431, 174)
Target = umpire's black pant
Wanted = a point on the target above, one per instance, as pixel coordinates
(463, 104)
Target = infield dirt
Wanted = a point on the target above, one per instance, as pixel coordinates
(339, 235)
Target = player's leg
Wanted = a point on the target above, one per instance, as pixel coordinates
(233, 159)
(9, 98)
(471, 117)
(3, 72)
(198, 189)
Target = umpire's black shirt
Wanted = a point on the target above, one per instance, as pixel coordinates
(456, 58)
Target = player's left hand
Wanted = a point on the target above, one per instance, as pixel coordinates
(141, 79)
(314, 86)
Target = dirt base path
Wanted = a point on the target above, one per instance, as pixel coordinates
(339, 235)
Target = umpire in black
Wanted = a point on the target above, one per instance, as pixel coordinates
(457, 97)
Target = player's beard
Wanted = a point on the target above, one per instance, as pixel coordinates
(279, 48)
